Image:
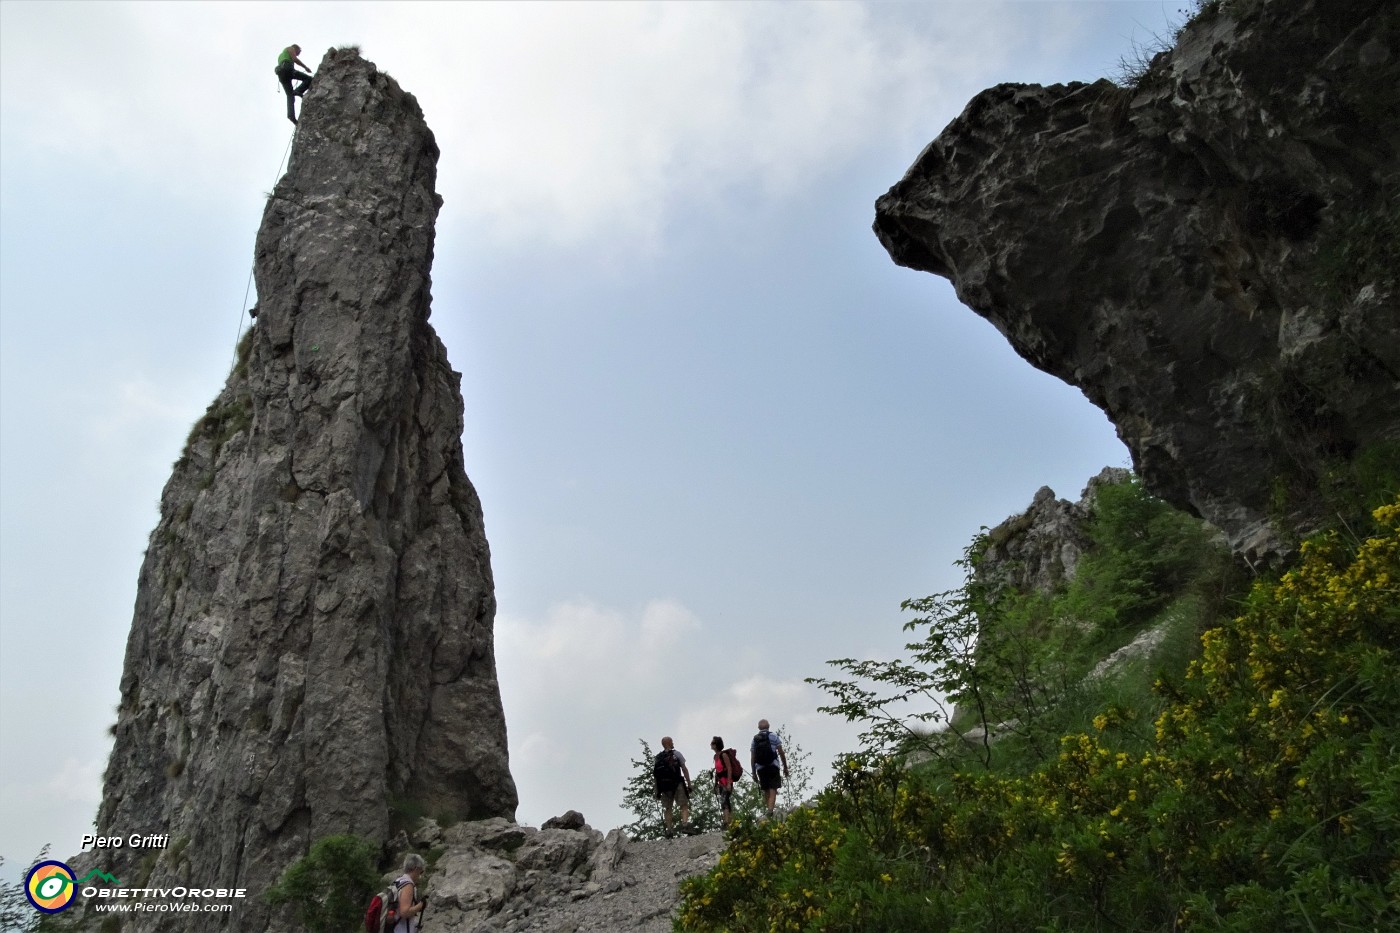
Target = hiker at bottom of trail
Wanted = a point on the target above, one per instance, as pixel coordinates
(287, 73)
(765, 752)
(411, 906)
(672, 785)
(727, 771)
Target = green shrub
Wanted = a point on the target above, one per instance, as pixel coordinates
(990, 656)
(242, 353)
(221, 422)
(1143, 553)
(329, 887)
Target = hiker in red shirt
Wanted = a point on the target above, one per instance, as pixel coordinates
(727, 771)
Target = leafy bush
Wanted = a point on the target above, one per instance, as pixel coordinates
(995, 661)
(330, 886)
(1144, 553)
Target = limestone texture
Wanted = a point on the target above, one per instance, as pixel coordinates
(494, 876)
(312, 640)
(1039, 549)
(1211, 254)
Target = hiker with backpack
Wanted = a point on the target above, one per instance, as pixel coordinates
(287, 72)
(727, 771)
(409, 915)
(672, 785)
(765, 751)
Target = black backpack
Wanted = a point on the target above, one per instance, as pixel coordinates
(667, 771)
(763, 754)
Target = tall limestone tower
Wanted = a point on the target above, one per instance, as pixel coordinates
(312, 641)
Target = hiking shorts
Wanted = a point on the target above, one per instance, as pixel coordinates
(675, 795)
(770, 778)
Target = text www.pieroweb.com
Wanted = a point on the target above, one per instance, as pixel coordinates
(162, 907)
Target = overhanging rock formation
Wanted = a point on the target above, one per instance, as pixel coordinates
(1212, 256)
(312, 642)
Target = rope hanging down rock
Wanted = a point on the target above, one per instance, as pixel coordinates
(248, 286)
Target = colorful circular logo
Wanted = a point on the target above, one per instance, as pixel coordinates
(50, 887)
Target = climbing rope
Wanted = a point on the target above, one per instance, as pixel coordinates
(243, 308)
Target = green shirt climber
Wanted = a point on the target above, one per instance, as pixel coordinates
(287, 72)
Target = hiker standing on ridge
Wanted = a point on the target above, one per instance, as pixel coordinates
(286, 72)
(764, 754)
(727, 771)
(672, 785)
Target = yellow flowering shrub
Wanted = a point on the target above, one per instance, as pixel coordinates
(1266, 795)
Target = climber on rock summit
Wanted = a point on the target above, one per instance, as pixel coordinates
(286, 72)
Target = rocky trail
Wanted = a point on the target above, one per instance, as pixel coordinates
(494, 876)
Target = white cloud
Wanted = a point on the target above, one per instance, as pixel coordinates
(76, 782)
(664, 624)
(139, 404)
(734, 711)
(154, 91)
(558, 122)
(576, 120)
(583, 683)
(53, 806)
(580, 647)
(579, 686)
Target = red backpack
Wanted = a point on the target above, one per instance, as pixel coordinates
(383, 911)
(733, 757)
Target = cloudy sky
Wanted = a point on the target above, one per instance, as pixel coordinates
(718, 435)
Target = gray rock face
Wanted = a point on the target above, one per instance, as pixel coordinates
(496, 877)
(1210, 257)
(313, 627)
(1038, 549)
